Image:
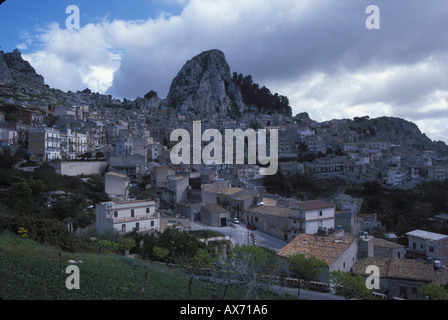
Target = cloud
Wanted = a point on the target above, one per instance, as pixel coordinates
(318, 53)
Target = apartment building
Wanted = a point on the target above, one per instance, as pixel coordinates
(45, 143)
(312, 216)
(125, 216)
(72, 144)
(424, 245)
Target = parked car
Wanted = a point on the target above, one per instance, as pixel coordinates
(250, 226)
(236, 221)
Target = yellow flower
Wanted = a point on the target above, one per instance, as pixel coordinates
(22, 231)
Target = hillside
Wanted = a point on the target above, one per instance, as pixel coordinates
(400, 132)
(31, 271)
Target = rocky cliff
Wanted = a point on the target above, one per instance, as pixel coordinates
(204, 86)
(20, 81)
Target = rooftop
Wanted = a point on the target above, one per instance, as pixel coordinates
(410, 269)
(243, 197)
(377, 242)
(220, 189)
(312, 205)
(325, 248)
(213, 208)
(271, 210)
(427, 235)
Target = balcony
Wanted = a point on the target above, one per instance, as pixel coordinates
(141, 230)
(135, 218)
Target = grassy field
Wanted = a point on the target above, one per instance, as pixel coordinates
(30, 271)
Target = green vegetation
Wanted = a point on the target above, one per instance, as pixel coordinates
(300, 186)
(307, 269)
(405, 210)
(33, 271)
(349, 286)
(434, 292)
(261, 98)
(43, 197)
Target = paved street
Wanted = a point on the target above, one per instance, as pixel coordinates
(241, 235)
(308, 294)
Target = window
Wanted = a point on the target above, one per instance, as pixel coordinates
(123, 228)
(147, 210)
(320, 213)
(115, 214)
(431, 249)
(132, 213)
(152, 223)
(137, 226)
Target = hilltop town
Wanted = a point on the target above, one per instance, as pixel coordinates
(128, 143)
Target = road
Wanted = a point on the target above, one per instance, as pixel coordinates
(308, 294)
(240, 235)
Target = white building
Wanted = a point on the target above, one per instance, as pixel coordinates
(312, 216)
(123, 217)
(73, 144)
(424, 244)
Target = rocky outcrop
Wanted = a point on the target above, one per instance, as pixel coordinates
(5, 74)
(204, 86)
(19, 69)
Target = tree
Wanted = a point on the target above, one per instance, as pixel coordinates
(251, 267)
(434, 292)
(126, 244)
(349, 286)
(307, 269)
(161, 253)
(197, 266)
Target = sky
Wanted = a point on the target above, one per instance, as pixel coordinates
(318, 53)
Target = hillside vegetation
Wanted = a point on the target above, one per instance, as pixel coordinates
(32, 271)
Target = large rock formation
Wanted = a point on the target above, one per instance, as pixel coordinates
(5, 74)
(204, 86)
(16, 70)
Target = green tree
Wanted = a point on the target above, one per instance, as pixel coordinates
(249, 266)
(126, 244)
(307, 269)
(349, 286)
(434, 292)
(161, 253)
(108, 246)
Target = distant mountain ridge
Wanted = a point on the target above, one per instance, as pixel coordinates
(400, 132)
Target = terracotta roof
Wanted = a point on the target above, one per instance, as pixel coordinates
(325, 248)
(377, 242)
(244, 197)
(409, 269)
(221, 190)
(270, 210)
(214, 208)
(312, 205)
